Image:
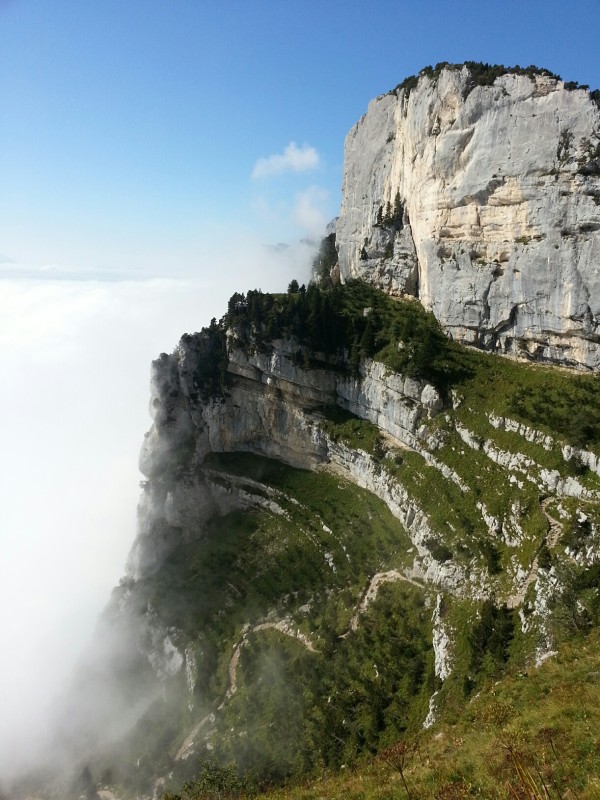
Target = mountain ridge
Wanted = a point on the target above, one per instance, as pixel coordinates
(352, 524)
(481, 199)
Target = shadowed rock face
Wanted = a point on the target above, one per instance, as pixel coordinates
(271, 408)
(500, 197)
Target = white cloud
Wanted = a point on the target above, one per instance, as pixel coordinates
(310, 210)
(75, 360)
(293, 159)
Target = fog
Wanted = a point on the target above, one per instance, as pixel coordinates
(75, 352)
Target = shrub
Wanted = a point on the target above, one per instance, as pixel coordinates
(491, 555)
(220, 783)
(490, 638)
(438, 549)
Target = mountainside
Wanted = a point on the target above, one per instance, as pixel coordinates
(479, 193)
(352, 525)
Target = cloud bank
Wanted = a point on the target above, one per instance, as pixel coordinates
(310, 210)
(293, 159)
(75, 360)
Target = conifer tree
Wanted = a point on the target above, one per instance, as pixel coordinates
(367, 340)
(398, 215)
(354, 357)
(387, 219)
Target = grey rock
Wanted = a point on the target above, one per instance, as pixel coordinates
(501, 210)
(271, 408)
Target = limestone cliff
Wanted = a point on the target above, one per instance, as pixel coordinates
(273, 407)
(328, 456)
(484, 507)
(497, 195)
(302, 506)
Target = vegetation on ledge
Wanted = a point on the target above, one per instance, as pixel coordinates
(532, 735)
(340, 326)
(483, 74)
(347, 323)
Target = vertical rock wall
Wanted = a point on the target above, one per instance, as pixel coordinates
(500, 194)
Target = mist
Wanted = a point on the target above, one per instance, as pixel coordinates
(76, 353)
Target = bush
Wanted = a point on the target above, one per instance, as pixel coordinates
(491, 555)
(544, 556)
(220, 783)
(490, 638)
(438, 550)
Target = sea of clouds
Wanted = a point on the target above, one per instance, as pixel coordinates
(75, 350)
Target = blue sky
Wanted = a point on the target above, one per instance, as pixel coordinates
(152, 153)
(130, 128)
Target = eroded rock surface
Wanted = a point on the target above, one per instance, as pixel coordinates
(272, 407)
(497, 228)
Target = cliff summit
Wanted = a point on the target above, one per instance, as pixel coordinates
(477, 190)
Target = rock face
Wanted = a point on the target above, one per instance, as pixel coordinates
(267, 411)
(484, 204)
(497, 195)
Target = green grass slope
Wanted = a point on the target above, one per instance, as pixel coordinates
(315, 693)
(534, 734)
(301, 712)
(307, 645)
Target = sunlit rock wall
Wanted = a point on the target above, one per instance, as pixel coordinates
(500, 188)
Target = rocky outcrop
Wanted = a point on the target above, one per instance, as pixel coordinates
(520, 464)
(273, 407)
(494, 210)
(361, 469)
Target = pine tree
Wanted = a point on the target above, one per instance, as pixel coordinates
(354, 357)
(398, 215)
(313, 298)
(367, 340)
(387, 219)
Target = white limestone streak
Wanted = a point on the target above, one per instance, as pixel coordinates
(442, 646)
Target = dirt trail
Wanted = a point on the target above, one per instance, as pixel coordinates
(283, 626)
(286, 627)
(371, 591)
(555, 529)
(186, 748)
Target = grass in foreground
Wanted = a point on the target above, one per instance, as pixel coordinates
(533, 735)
